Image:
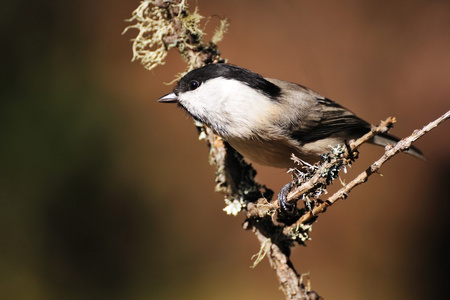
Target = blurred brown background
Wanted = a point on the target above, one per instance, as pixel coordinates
(106, 194)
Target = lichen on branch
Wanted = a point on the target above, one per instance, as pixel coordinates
(166, 24)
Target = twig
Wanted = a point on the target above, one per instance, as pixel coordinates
(390, 151)
(318, 178)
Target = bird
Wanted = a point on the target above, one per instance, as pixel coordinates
(267, 120)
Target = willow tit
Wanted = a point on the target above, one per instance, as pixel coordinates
(267, 120)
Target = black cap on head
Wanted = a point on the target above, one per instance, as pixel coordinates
(196, 77)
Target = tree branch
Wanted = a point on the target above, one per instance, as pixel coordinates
(390, 151)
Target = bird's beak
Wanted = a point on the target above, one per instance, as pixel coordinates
(169, 98)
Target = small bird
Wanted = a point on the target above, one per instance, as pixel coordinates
(267, 120)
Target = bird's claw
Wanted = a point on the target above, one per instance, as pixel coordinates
(286, 207)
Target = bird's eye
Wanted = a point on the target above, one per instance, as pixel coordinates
(193, 85)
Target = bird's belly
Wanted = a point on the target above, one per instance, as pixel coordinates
(274, 153)
(278, 153)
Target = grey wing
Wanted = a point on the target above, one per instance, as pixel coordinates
(331, 119)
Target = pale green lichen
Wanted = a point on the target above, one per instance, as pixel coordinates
(149, 46)
(220, 31)
(234, 207)
(162, 26)
(301, 232)
(322, 173)
(263, 250)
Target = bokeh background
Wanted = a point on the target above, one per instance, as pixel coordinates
(106, 194)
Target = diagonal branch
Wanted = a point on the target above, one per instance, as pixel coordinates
(320, 179)
(403, 145)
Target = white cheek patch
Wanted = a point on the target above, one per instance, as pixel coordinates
(231, 107)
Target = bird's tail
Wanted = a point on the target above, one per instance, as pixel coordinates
(384, 139)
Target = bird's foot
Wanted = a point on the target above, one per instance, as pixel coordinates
(286, 208)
